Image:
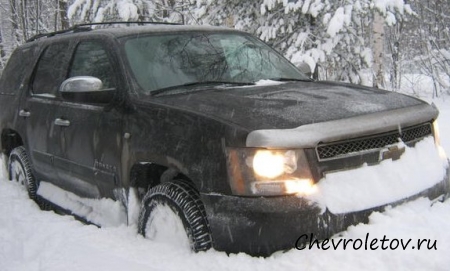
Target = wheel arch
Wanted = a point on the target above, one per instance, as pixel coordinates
(146, 175)
(10, 139)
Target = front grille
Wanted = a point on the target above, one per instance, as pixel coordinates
(355, 146)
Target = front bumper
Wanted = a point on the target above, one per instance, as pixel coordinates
(260, 226)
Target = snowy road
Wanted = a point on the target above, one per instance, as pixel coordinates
(31, 239)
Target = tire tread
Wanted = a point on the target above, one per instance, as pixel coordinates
(187, 199)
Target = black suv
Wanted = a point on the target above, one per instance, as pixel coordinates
(211, 129)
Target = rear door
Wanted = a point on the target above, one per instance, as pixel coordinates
(91, 139)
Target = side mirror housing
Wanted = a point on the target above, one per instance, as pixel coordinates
(86, 89)
(305, 69)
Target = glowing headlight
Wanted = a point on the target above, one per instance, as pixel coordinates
(437, 140)
(263, 172)
(268, 164)
(437, 136)
(271, 164)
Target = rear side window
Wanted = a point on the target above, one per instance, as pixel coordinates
(15, 71)
(50, 70)
(91, 59)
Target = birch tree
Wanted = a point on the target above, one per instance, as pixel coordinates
(378, 50)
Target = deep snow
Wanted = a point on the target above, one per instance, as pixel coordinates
(419, 168)
(31, 239)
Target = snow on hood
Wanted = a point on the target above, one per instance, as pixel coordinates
(308, 136)
(418, 169)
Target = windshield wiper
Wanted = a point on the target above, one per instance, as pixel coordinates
(205, 83)
(286, 79)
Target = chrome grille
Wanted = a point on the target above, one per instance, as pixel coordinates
(356, 146)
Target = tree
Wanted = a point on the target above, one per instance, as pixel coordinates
(2, 52)
(378, 50)
(332, 36)
(61, 12)
(85, 11)
(428, 40)
(341, 40)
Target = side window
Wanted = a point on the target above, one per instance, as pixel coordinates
(91, 59)
(15, 70)
(50, 70)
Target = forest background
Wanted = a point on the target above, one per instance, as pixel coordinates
(393, 44)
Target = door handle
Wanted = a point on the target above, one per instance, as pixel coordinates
(62, 122)
(24, 113)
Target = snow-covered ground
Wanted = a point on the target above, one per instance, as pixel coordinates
(31, 239)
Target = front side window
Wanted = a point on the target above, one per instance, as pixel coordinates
(50, 70)
(91, 59)
(166, 61)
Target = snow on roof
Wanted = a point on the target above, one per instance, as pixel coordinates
(161, 28)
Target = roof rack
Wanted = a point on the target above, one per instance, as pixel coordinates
(126, 23)
(87, 27)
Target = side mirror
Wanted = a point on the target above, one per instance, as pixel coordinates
(85, 89)
(305, 69)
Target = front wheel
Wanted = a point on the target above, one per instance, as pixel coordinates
(173, 212)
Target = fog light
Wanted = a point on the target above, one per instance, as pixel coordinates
(299, 186)
(303, 187)
(268, 188)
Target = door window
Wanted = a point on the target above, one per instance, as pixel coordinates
(50, 70)
(91, 59)
(14, 73)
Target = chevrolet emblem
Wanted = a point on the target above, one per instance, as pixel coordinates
(392, 152)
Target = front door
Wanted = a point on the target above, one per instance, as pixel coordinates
(91, 139)
(40, 107)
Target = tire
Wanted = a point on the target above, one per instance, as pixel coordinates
(19, 169)
(183, 200)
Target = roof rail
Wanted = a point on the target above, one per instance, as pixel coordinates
(87, 27)
(126, 23)
(51, 34)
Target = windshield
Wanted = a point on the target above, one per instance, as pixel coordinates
(161, 62)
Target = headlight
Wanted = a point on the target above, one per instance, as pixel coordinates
(272, 164)
(437, 140)
(262, 172)
(437, 136)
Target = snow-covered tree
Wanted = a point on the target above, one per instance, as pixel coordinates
(347, 40)
(335, 38)
(427, 39)
(84, 11)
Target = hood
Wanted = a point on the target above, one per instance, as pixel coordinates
(286, 105)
